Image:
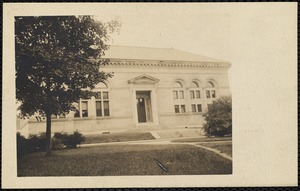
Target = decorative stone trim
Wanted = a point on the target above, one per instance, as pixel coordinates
(184, 64)
(144, 79)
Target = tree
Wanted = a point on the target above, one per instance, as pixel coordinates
(57, 62)
(219, 118)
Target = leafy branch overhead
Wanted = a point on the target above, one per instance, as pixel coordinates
(58, 60)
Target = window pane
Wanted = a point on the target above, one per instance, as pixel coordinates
(177, 85)
(192, 94)
(106, 108)
(198, 94)
(85, 113)
(176, 108)
(193, 108)
(182, 108)
(175, 94)
(77, 111)
(213, 93)
(98, 96)
(101, 85)
(84, 105)
(181, 95)
(98, 108)
(209, 85)
(194, 85)
(199, 108)
(105, 95)
(207, 94)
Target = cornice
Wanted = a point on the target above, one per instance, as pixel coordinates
(167, 64)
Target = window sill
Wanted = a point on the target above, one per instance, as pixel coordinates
(189, 113)
(89, 118)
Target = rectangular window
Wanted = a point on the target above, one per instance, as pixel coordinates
(181, 95)
(105, 95)
(106, 108)
(213, 93)
(98, 108)
(84, 105)
(176, 108)
(199, 107)
(102, 104)
(207, 94)
(182, 108)
(194, 108)
(198, 94)
(77, 111)
(175, 94)
(192, 94)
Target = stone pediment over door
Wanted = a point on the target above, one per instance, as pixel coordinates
(143, 79)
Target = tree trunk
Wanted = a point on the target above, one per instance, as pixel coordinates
(48, 134)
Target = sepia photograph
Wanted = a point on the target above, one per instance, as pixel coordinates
(130, 94)
(116, 109)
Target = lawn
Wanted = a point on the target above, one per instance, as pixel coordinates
(115, 160)
(202, 139)
(222, 147)
(118, 137)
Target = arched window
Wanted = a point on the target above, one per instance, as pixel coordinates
(195, 96)
(195, 91)
(177, 85)
(102, 100)
(210, 90)
(178, 97)
(178, 92)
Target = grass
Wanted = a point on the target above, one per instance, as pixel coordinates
(202, 139)
(119, 160)
(222, 147)
(117, 137)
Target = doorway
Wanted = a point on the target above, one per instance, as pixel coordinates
(144, 109)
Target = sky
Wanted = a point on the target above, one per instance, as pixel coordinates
(190, 27)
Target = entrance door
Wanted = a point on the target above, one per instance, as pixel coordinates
(144, 110)
(141, 110)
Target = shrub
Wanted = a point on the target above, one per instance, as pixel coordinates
(58, 141)
(74, 139)
(37, 143)
(34, 143)
(219, 118)
(63, 140)
(22, 148)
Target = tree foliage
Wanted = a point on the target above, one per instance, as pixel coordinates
(58, 61)
(219, 118)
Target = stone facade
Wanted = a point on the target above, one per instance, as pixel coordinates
(156, 93)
